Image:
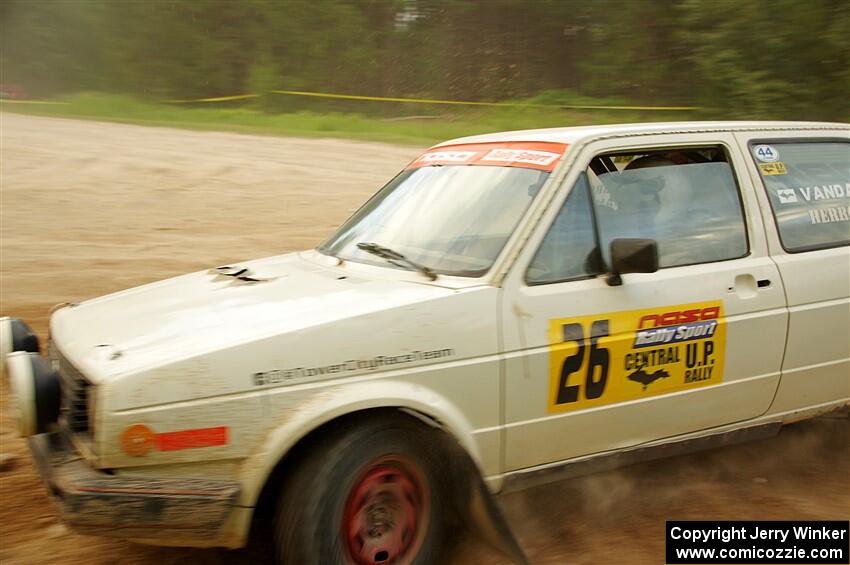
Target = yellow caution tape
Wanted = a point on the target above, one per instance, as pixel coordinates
(217, 99)
(403, 100)
(471, 103)
(11, 101)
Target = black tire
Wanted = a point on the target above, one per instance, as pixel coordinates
(383, 467)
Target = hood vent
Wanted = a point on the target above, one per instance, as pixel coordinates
(237, 275)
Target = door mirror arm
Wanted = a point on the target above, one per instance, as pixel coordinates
(632, 255)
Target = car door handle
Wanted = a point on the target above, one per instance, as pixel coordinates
(746, 286)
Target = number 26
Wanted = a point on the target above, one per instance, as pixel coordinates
(599, 357)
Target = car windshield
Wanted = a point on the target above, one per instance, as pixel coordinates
(452, 219)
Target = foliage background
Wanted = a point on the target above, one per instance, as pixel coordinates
(757, 59)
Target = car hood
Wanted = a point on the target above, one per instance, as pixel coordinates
(186, 316)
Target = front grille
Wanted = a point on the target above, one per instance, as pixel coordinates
(75, 398)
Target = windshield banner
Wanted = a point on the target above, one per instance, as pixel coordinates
(539, 155)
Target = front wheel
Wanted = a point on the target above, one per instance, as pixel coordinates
(364, 495)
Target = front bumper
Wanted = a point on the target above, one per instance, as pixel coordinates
(173, 511)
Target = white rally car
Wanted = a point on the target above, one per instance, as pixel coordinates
(511, 308)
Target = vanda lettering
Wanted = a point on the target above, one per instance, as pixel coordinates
(824, 192)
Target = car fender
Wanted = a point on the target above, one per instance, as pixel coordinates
(325, 405)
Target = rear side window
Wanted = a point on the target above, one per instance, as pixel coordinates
(808, 185)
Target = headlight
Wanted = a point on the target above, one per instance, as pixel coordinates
(35, 392)
(15, 336)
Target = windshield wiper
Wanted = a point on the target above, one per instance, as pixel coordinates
(394, 257)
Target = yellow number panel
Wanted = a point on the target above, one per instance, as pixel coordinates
(621, 356)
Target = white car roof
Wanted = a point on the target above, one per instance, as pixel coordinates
(572, 135)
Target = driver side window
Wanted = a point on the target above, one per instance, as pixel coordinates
(687, 201)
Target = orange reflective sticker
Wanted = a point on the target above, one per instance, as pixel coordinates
(539, 155)
(138, 440)
(190, 439)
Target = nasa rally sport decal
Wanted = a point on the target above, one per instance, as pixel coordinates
(621, 356)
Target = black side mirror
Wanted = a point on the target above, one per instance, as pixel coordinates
(632, 256)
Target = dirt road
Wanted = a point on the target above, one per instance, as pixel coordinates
(88, 208)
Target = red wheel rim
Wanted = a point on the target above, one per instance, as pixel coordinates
(385, 514)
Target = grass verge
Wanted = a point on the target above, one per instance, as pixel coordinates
(390, 122)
